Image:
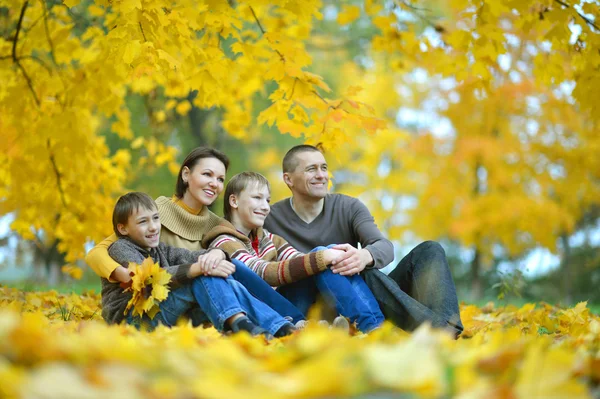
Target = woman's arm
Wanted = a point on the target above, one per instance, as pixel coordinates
(100, 261)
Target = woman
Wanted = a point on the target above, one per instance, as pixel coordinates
(185, 218)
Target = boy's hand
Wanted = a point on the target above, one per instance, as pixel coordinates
(330, 254)
(224, 269)
(121, 275)
(210, 260)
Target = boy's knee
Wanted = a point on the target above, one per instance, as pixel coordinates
(319, 248)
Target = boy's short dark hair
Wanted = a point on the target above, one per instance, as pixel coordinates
(127, 204)
(192, 159)
(239, 183)
(290, 163)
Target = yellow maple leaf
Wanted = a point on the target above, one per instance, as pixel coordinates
(348, 15)
(73, 271)
(149, 285)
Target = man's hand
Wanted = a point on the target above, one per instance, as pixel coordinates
(210, 260)
(352, 261)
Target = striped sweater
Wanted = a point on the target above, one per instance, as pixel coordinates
(273, 259)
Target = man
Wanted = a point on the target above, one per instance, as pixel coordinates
(419, 289)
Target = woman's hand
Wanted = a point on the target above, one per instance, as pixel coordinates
(223, 269)
(210, 260)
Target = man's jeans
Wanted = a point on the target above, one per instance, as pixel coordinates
(263, 291)
(419, 289)
(349, 294)
(219, 298)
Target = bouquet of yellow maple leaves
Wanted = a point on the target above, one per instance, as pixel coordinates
(149, 287)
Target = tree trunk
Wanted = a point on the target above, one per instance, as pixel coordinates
(476, 289)
(566, 270)
(197, 118)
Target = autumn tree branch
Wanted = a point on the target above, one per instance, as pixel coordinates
(16, 59)
(263, 32)
(142, 30)
(415, 11)
(586, 19)
(57, 174)
(48, 38)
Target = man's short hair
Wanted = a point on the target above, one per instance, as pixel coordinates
(290, 163)
(239, 183)
(128, 204)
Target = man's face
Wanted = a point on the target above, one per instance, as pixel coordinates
(310, 178)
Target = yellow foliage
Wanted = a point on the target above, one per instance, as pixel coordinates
(348, 14)
(504, 352)
(149, 286)
(73, 271)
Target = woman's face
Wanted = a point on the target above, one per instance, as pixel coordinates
(205, 182)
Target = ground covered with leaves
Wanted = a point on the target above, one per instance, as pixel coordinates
(56, 345)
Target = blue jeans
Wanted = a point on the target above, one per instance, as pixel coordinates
(419, 289)
(219, 298)
(222, 298)
(263, 291)
(350, 295)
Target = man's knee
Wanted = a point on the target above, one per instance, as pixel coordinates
(431, 247)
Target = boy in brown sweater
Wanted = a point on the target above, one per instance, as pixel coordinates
(247, 198)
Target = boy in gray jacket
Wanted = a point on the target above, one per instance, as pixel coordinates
(226, 303)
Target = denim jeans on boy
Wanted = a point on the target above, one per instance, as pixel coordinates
(263, 291)
(222, 298)
(350, 295)
(420, 289)
(219, 298)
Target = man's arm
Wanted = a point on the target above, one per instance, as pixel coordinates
(377, 251)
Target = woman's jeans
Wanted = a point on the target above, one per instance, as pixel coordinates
(219, 299)
(350, 295)
(263, 291)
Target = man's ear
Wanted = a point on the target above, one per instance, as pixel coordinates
(287, 180)
(233, 201)
(122, 229)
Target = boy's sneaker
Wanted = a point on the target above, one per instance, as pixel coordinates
(323, 323)
(301, 324)
(244, 324)
(285, 330)
(341, 323)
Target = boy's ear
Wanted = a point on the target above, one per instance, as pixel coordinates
(122, 229)
(233, 201)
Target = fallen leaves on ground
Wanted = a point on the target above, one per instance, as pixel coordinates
(57, 346)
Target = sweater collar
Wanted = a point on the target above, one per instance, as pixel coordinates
(179, 201)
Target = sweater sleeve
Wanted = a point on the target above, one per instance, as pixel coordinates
(122, 252)
(289, 267)
(100, 261)
(370, 237)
